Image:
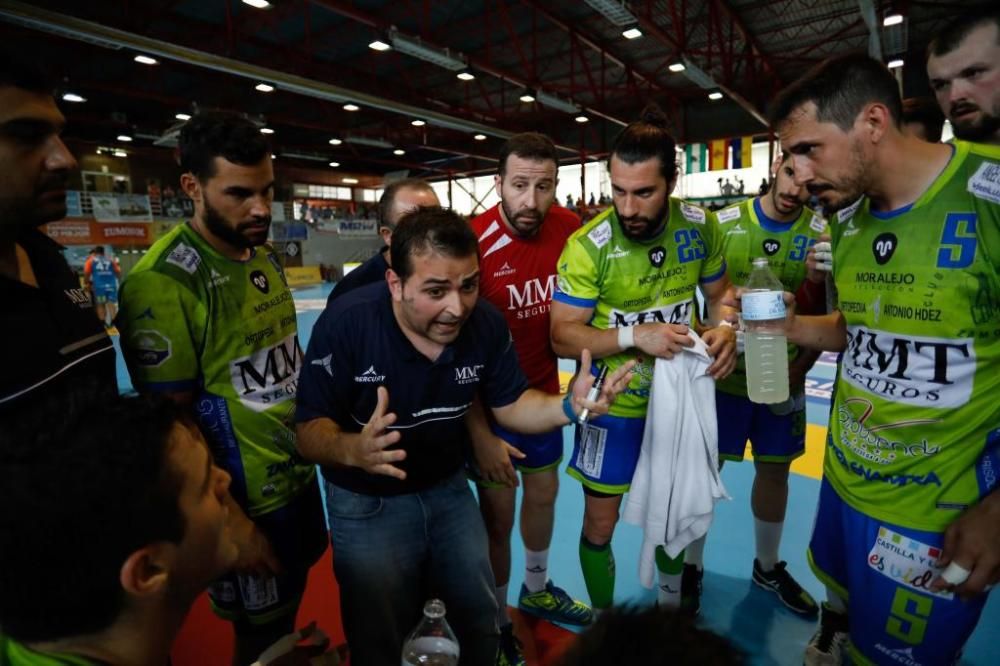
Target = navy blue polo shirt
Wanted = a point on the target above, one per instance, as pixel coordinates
(357, 346)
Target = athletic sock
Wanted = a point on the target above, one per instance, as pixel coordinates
(598, 564)
(768, 537)
(536, 569)
(503, 618)
(695, 553)
(671, 571)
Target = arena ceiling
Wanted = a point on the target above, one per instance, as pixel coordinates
(571, 57)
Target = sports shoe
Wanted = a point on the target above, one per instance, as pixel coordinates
(691, 589)
(509, 651)
(555, 605)
(826, 647)
(779, 581)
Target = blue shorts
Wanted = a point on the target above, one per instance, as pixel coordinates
(105, 293)
(776, 439)
(884, 571)
(543, 451)
(605, 453)
(298, 535)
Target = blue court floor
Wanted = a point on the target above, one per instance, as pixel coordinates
(731, 604)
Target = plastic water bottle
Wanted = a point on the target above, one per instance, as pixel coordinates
(432, 642)
(766, 349)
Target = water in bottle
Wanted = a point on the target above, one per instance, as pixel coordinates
(432, 642)
(766, 349)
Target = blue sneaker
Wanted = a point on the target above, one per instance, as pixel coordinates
(555, 605)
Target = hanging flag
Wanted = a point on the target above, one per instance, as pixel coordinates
(718, 155)
(696, 155)
(742, 152)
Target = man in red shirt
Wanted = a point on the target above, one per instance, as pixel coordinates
(520, 240)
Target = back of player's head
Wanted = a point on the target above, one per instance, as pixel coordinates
(222, 134)
(924, 111)
(19, 69)
(430, 230)
(99, 249)
(645, 139)
(955, 32)
(650, 636)
(82, 492)
(840, 88)
(528, 146)
(388, 198)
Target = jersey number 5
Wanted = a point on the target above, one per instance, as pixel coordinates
(958, 241)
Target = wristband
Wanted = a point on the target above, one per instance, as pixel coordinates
(626, 337)
(726, 323)
(567, 405)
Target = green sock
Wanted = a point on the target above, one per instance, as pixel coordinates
(667, 565)
(598, 564)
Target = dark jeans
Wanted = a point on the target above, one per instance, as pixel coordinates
(391, 554)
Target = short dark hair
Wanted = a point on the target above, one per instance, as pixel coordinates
(528, 146)
(840, 88)
(81, 493)
(430, 229)
(23, 70)
(645, 139)
(924, 110)
(98, 249)
(223, 134)
(649, 636)
(949, 37)
(388, 197)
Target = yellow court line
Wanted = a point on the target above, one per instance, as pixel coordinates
(809, 464)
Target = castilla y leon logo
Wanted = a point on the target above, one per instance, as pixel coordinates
(259, 280)
(883, 247)
(771, 246)
(657, 255)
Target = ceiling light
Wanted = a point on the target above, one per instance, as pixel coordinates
(632, 33)
(555, 102)
(676, 67)
(399, 151)
(120, 153)
(715, 95)
(351, 107)
(335, 142)
(418, 123)
(258, 4)
(273, 156)
(73, 97)
(335, 164)
(893, 64)
(480, 137)
(614, 11)
(582, 119)
(124, 137)
(350, 181)
(527, 97)
(892, 18)
(182, 116)
(145, 60)
(266, 130)
(379, 45)
(264, 87)
(466, 75)
(412, 46)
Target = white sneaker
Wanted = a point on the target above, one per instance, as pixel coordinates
(828, 644)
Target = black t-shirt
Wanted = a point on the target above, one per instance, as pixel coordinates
(52, 341)
(372, 270)
(357, 346)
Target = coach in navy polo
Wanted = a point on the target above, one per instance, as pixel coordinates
(387, 379)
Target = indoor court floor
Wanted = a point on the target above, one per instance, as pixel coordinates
(731, 605)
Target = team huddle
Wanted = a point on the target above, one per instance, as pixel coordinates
(436, 363)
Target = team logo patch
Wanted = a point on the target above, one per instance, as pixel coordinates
(906, 561)
(150, 348)
(657, 255)
(601, 234)
(883, 247)
(185, 257)
(770, 246)
(985, 183)
(728, 215)
(259, 280)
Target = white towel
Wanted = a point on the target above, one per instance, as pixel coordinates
(676, 482)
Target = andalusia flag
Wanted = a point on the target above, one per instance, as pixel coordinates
(696, 155)
(718, 155)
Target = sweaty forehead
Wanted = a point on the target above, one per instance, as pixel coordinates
(17, 104)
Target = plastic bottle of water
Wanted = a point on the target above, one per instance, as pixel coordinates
(766, 350)
(432, 642)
